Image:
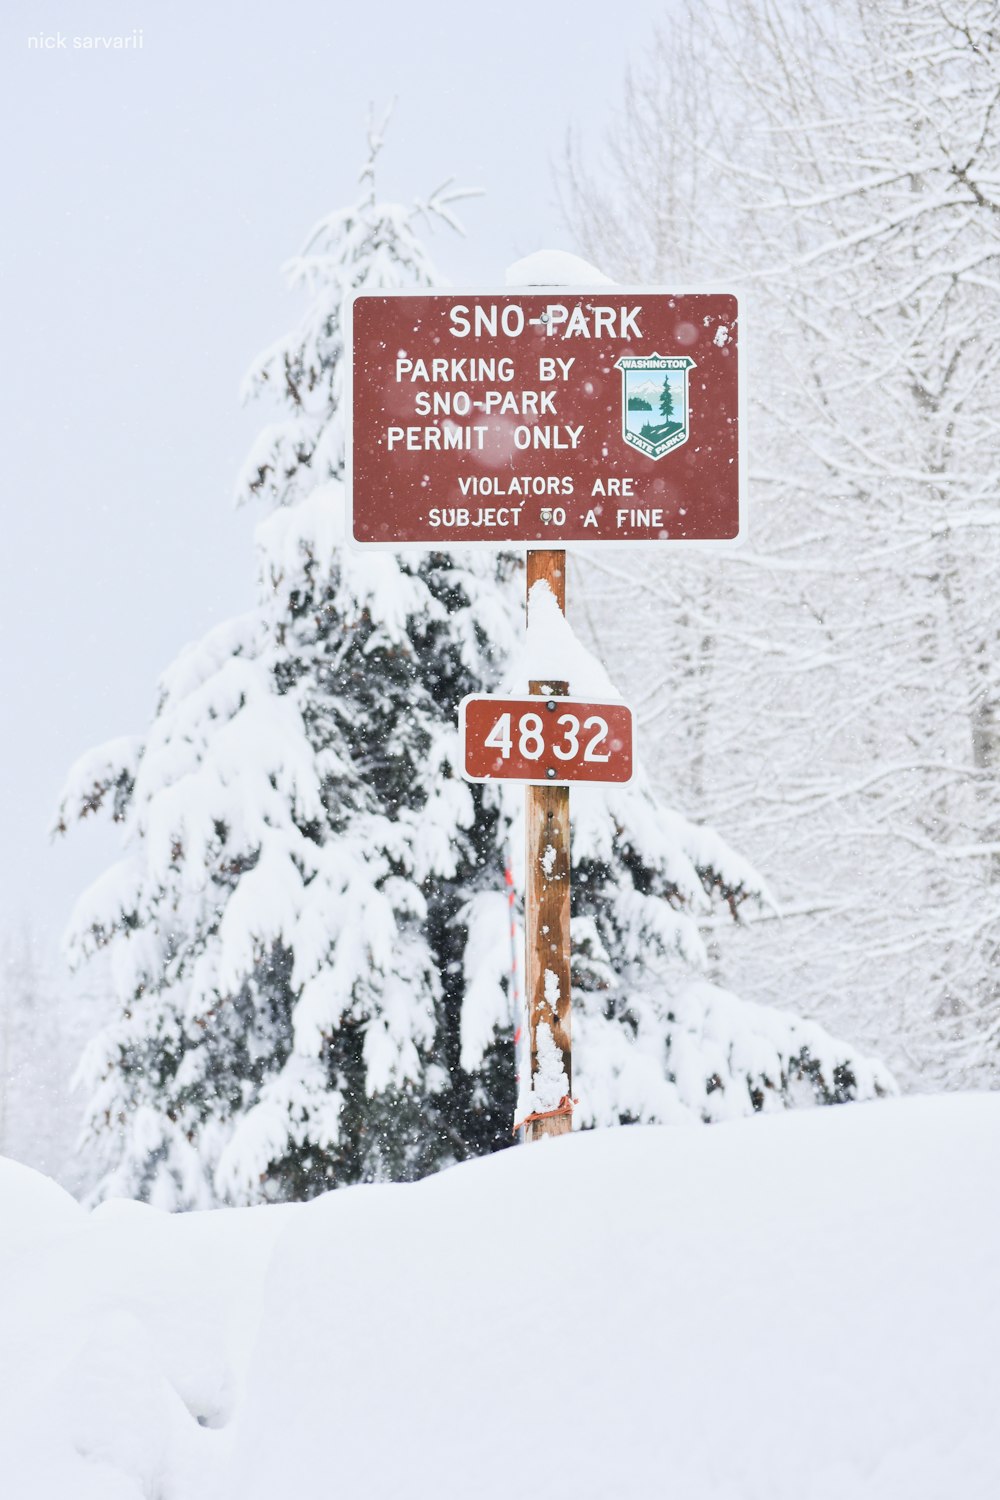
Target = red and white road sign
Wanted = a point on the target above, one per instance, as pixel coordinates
(545, 741)
(544, 417)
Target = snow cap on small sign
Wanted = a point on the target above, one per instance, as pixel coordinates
(552, 653)
(555, 268)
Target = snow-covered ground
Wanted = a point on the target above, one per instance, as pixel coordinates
(796, 1307)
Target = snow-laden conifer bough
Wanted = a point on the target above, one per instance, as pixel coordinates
(308, 929)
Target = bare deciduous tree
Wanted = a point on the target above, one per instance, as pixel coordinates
(829, 696)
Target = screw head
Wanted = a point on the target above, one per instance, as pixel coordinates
(551, 705)
(550, 770)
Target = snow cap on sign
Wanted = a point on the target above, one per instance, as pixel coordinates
(552, 653)
(555, 268)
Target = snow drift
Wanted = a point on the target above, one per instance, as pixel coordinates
(792, 1307)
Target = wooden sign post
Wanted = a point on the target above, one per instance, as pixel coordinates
(546, 742)
(535, 416)
(547, 890)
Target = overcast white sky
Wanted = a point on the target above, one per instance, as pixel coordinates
(150, 199)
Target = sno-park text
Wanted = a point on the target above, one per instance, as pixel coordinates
(557, 319)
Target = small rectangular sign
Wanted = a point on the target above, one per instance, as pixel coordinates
(545, 741)
(544, 417)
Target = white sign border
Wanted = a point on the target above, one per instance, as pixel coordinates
(725, 544)
(541, 698)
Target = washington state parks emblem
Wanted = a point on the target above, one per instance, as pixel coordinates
(655, 401)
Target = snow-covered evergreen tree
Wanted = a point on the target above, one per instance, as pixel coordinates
(309, 930)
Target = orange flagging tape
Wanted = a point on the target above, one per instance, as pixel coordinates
(564, 1107)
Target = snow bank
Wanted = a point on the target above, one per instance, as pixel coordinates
(793, 1307)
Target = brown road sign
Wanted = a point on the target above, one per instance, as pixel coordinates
(544, 418)
(545, 741)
